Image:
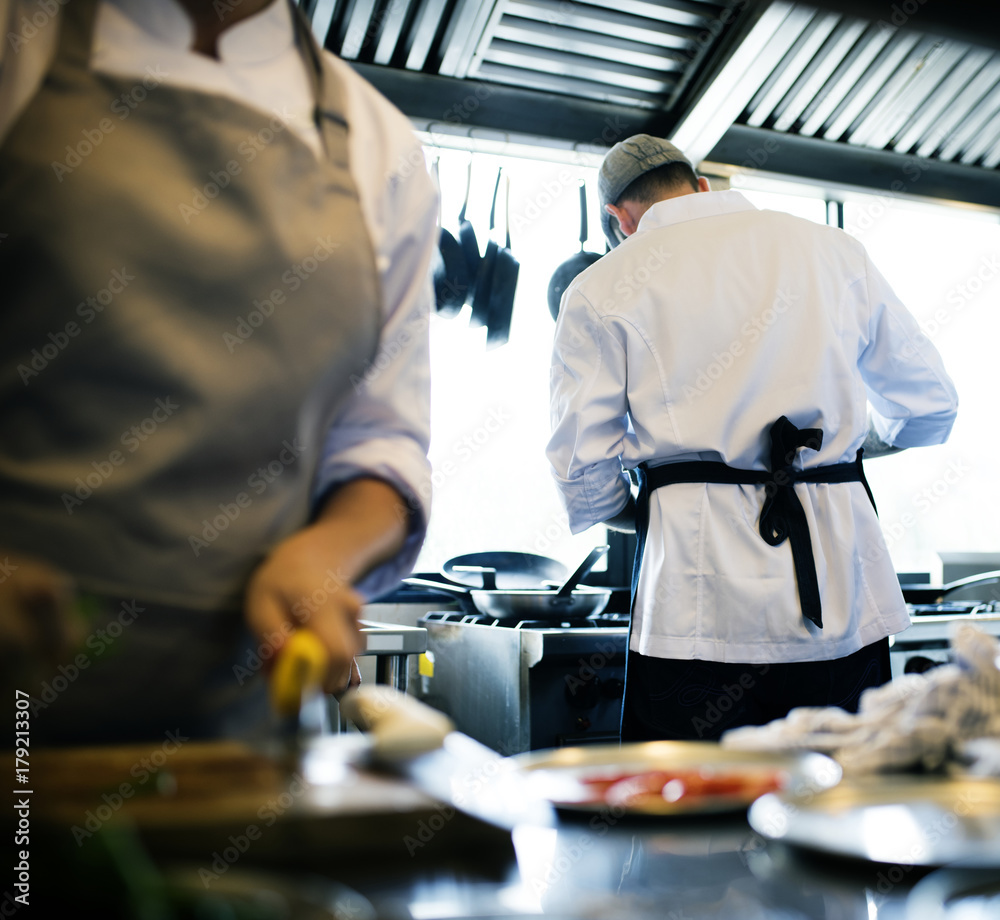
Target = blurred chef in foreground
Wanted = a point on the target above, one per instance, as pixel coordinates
(727, 355)
(213, 358)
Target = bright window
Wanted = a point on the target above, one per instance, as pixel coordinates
(490, 408)
(490, 416)
(944, 263)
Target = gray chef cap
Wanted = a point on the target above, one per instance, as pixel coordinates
(624, 163)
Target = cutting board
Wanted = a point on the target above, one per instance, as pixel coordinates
(206, 801)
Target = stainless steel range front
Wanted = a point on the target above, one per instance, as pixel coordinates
(530, 685)
(927, 642)
(539, 684)
(935, 612)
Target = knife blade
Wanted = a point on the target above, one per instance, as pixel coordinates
(421, 744)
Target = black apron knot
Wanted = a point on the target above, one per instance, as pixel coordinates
(782, 515)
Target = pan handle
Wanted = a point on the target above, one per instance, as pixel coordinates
(583, 214)
(582, 569)
(427, 583)
(468, 188)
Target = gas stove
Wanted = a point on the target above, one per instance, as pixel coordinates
(520, 685)
(594, 621)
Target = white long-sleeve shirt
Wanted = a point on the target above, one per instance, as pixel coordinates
(687, 342)
(384, 427)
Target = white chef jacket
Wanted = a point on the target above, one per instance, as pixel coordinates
(687, 342)
(384, 428)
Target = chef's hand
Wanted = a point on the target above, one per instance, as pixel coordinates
(39, 624)
(307, 581)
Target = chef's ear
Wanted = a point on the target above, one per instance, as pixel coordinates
(703, 185)
(624, 217)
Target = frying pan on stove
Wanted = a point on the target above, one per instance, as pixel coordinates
(935, 594)
(504, 570)
(570, 599)
(568, 270)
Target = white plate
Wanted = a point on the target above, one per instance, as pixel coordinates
(569, 778)
(909, 821)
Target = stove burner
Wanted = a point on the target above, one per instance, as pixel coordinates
(950, 608)
(595, 621)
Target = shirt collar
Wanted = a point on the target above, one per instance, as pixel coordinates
(257, 39)
(692, 207)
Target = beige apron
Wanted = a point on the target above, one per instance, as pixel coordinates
(187, 291)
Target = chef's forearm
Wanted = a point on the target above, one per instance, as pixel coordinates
(365, 522)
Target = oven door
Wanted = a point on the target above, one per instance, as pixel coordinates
(916, 660)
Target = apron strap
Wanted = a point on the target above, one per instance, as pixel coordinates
(76, 35)
(325, 108)
(782, 515)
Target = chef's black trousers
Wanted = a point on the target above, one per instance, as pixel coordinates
(692, 700)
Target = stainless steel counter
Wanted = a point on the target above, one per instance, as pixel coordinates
(606, 870)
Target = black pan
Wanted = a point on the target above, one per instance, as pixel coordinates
(504, 570)
(470, 245)
(502, 285)
(563, 276)
(484, 277)
(935, 594)
(569, 600)
(451, 273)
(451, 276)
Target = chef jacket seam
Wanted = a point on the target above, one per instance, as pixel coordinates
(646, 340)
(699, 617)
(594, 491)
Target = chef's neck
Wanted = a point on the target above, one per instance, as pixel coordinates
(211, 19)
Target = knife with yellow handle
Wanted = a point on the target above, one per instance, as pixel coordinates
(298, 672)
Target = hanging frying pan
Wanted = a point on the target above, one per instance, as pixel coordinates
(502, 285)
(451, 273)
(568, 270)
(467, 240)
(484, 278)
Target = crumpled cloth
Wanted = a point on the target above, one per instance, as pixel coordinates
(946, 718)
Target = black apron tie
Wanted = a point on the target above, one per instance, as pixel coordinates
(782, 515)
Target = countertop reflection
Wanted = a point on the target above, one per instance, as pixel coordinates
(710, 867)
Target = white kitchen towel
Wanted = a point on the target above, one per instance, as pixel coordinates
(947, 717)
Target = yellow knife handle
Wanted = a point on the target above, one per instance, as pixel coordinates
(300, 669)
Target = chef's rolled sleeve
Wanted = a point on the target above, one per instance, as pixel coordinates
(913, 399)
(589, 423)
(401, 462)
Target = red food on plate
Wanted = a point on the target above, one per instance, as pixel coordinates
(665, 790)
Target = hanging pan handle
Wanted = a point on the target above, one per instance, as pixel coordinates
(506, 208)
(493, 206)
(468, 188)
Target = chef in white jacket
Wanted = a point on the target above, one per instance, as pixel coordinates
(727, 356)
